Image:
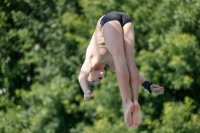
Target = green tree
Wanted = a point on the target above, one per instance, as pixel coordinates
(43, 42)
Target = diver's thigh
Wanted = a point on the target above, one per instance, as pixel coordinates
(129, 41)
(113, 37)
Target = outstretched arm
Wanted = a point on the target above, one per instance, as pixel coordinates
(149, 86)
(142, 79)
(84, 72)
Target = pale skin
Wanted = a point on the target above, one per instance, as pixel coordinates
(112, 46)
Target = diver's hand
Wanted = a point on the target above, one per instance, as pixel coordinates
(88, 94)
(157, 89)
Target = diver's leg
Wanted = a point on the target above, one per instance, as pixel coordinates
(129, 40)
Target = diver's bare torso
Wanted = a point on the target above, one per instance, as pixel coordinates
(97, 52)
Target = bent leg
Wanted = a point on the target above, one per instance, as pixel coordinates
(113, 37)
(129, 41)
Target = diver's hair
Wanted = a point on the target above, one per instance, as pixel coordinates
(91, 84)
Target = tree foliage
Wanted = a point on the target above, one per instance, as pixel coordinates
(42, 44)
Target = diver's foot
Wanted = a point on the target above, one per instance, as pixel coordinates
(136, 115)
(128, 109)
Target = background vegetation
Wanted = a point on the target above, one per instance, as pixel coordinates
(42, 43)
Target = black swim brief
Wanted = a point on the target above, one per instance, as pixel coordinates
(122, 17)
